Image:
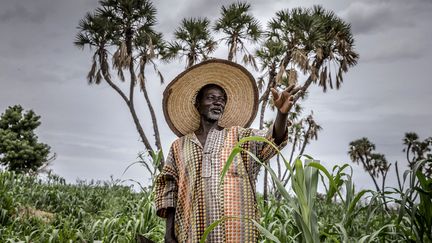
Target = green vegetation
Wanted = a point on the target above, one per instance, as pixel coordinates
(32, 210)
(343, 215)
(49, 210)
(20, 150)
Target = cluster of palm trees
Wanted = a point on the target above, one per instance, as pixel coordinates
(300, 46)
(418, 153)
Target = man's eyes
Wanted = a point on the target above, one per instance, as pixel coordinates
(214, 98)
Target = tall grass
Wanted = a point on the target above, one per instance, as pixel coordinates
(344, 215)
(85, 212)
(35, 210)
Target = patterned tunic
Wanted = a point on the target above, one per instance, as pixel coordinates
(190, 182)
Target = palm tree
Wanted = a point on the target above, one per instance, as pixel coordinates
(309, 40)
(238, 26)
(417, 150)
(410, 140)
(97, 33)
(333, 46)
(284, 30)
(311, 133)
(316, 41)
(362, 151)
(269, 56)
(127, 28)
(193, 40)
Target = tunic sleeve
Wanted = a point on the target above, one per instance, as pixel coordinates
(166, 185)
(262, 150)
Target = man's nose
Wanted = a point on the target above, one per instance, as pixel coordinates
(219, 103)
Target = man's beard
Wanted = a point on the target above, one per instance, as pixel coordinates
(211, 116)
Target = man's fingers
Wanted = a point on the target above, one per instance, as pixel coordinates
(285, 100)
(274, 93)
(294, 91)
(297, 95)
(285, 95)
(291, 87)
(286, 107)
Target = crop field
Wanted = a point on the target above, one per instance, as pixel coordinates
(49, 210)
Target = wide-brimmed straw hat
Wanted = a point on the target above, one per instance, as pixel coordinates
(238, 83)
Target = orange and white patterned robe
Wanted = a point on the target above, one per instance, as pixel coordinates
(190, 182)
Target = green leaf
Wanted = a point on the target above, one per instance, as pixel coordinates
(266, 233)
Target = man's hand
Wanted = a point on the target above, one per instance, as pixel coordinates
(170, 239)
(169, 232)
(285, 100)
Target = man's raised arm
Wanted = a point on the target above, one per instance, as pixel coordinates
(283, 102)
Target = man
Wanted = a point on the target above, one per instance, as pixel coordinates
(208, 106)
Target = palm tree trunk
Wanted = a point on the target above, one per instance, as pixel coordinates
(285, 181)
(407, 154)
(293, 149)
(279, 167)
(265, 193)
(376, 184)
(382, 189)
(131, 107)
(155, 126)
(305, 141)
(308, 81)
(190, 62)
(398, 177)
(265, 96)
(373, 178)
(233, 48)
(262, 112)
(264, 99)
(285, 61)
(290, 161)
(133, 79)
(191, 57)
(279, 176)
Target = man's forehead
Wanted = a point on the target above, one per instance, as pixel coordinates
(214, 89)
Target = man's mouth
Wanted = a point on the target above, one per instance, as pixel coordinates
(216, 110)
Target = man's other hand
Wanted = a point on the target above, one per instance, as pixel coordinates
(285, 100)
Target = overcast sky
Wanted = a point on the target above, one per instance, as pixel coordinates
(89, 127)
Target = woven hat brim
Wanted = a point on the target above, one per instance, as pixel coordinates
(238, 83)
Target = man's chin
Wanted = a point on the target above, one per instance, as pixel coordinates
(213, 117)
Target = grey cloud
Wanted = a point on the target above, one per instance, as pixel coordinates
(20, 13)
(209, 9)
(386, 132)
(395, 44)
(195, 8)
(393, 51)
(374, 16)
(368, 16)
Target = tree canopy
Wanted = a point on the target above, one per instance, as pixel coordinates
(20, 150)
(124, 31)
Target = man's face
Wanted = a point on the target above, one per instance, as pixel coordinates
(212, 104)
